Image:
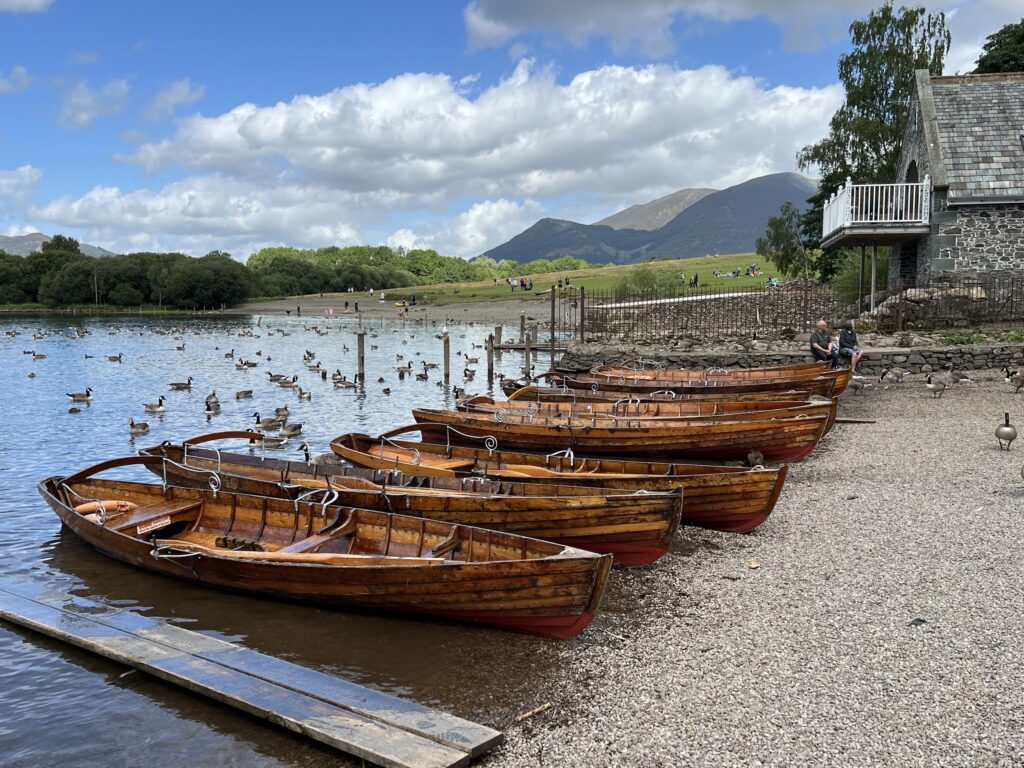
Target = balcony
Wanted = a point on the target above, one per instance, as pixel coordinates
(876, 214)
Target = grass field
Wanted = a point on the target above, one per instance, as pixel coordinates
(596, 278)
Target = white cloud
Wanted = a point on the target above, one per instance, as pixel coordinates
(24, 6)
(174, 95)
(406, 153)
(83, 104)
(83, 57)
(19, 183)
(18, 80)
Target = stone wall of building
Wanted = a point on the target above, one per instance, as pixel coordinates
(582, 357)
(980, 238)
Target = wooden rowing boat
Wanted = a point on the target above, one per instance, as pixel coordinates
(783, 439)
(759, 372)
(628, 407)
(822, 386)
(736, 377)
(722, 497)
(351, 557)
(635, 526)
(566, 394)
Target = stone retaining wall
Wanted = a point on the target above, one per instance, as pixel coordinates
(583, 357)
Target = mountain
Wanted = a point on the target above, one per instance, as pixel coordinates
(727, 221)
(656, 213)
(23, 245)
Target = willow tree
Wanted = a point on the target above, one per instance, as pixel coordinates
(864, 136)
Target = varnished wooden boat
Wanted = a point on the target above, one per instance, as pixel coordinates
(830, 385)
(635, 526)
(628, 407)
(351, 557)
(722, 497)
(758, 372)
(566, 394)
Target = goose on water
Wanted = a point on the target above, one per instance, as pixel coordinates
(212, 398)
(282, 412)
(243, 394)
(291, 430)
(157, 407)
(81, 397)
(267, 423)
(182, 385)
(137, 428)
(289, 383)
(268, 441)
(115, 358)
(304, 395)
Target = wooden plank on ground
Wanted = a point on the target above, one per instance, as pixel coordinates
(375, 726)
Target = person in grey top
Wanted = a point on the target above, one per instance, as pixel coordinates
(821, 344)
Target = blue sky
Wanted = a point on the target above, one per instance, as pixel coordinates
(454, 125)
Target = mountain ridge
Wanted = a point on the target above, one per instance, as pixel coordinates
(23, 245)
(656, 213)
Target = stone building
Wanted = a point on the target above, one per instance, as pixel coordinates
(959, 202)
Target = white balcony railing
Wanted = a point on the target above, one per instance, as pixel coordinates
(877, 204)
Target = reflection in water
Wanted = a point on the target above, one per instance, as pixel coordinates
(59, 704)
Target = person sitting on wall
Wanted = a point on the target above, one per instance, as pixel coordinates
(821, 345)
(848, 346)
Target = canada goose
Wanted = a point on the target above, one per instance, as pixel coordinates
(858, 384)
(268, 441)
(289, 383)
(336, 376)
(472, 360)
(241, 365)
(180, 349)
(139, 428)
(212, 398)
(422, 376)
(404, 369)
(291, 430)
(313, 368)
(935, 387)
(468, 374)
(427, 366)
(270, 424)
(182, 385)
(380, 379)
(344, 383)
(303, 395)
(282, 412)
(952, 376)
(38, 357)
(459, 392)
(212, 408)
(896, 374)
(157, 407)
(230, 355)
(386, 390)
(275, 377)
(1006, 432)
(243, 394)
(73, 409)
(81, 397)
(1014, 379)
(115, 358)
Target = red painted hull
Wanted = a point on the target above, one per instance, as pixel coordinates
(627, 555)
(558, 627)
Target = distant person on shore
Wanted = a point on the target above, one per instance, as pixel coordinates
(298, 310)
(848, 346)
(357, 306)
(821, 344)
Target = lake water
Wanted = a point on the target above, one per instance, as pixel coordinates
(62, 706)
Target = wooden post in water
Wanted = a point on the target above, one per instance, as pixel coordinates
(447, 358)
(522, 327)
(582, 333)
(554, 319)
(526, 355)
(497, 336)
(361, 356)
(490, 360)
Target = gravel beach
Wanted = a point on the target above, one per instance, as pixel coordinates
(497, 311)
(875, 619)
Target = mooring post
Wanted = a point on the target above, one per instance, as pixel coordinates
(497, 336)
(526, 355)
(447, 358)
(522, 328)
(361, 356)
(490, 360)
(554, 318)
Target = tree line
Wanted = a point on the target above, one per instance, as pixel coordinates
(59, 274)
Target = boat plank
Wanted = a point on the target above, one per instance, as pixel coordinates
(369, 724)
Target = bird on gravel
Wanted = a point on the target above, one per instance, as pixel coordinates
(1014, 379)
(858, 384)
(935, 387)
(952, 376)
(896, 374)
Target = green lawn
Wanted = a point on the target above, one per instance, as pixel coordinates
(595, 278)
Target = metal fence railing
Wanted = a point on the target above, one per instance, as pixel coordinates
(953, 300)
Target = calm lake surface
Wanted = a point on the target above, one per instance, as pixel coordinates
(62, 706)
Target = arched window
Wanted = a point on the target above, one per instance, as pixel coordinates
(912, 173)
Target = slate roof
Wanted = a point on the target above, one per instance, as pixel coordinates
(979, 123)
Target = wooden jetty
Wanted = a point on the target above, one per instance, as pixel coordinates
(371, 725)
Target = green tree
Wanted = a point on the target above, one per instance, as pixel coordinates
(12, 275)
(125, 295)
(62, 244)
(1003, 51)
(865, 132)
(783, 245)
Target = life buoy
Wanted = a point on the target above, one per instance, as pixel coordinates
(110, 507)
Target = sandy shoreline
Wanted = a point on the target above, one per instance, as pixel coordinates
(873, 620)
(503, 311)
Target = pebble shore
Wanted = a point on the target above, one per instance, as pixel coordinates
(875, 619)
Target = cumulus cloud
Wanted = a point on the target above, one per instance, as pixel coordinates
(17, 80)
(83, 104)
(647, 25)
(201, 213)
(460, 170)
(174, 95)
(19, 182)
(24, 6)
(83, 57)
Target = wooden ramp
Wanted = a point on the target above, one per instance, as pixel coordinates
(368, 724)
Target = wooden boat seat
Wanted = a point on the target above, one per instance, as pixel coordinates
(313, 558)
(152, 514)
(308, 543)
(435, 461)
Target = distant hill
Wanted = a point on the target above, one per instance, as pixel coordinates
(726, 221)
(656, 213)
(23, 245)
